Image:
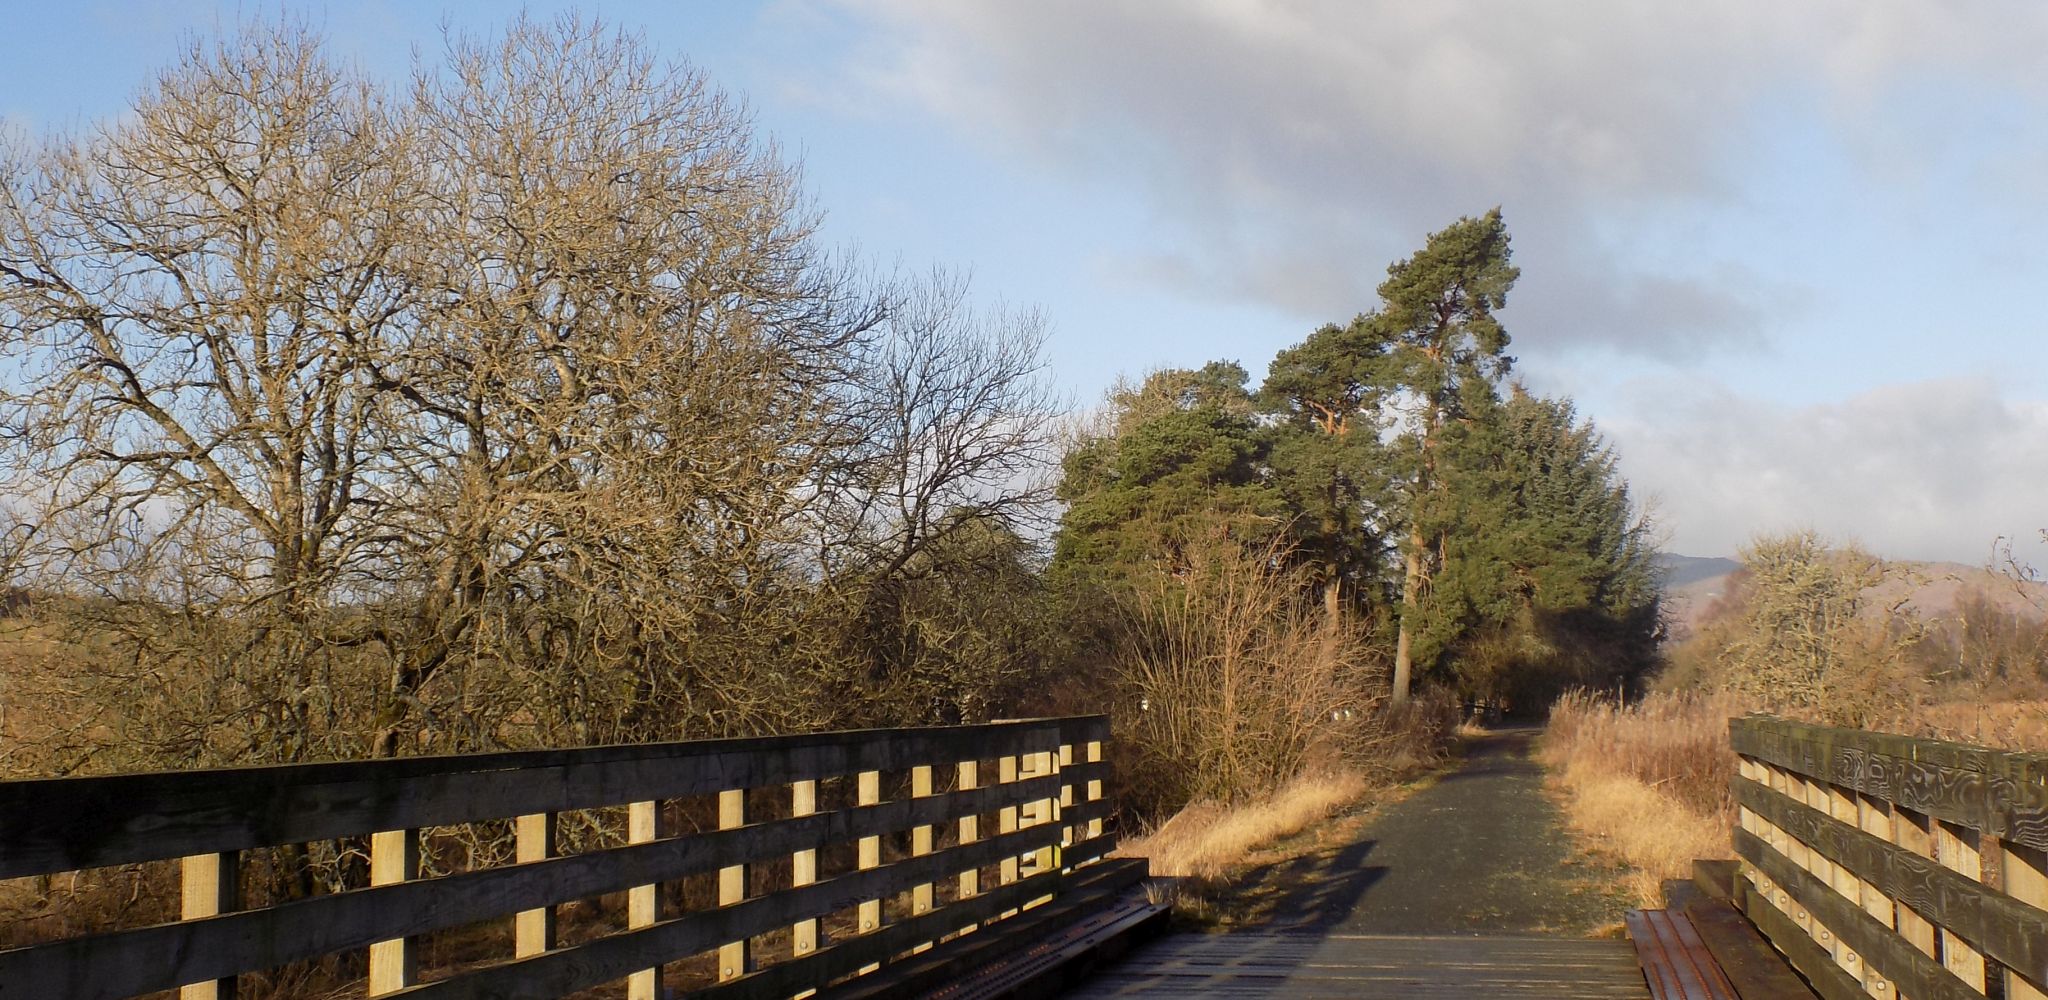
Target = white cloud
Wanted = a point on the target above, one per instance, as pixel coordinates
(1288, 150)
(1924, 470)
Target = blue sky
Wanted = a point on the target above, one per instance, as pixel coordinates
(1787, 256)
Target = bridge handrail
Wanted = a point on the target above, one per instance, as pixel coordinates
(1046, 798)
(1886, 865)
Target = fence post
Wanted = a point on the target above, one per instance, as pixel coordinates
(734, 959)
(394, 858)
(643, 902)
(803, 867)
(921, 845)
(533, 931)
(969, 778)
(209, 884)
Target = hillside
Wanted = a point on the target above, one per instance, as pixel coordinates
(1693, 585)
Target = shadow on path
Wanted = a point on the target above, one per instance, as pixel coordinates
(1481, 850)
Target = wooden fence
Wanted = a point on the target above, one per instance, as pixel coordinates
(874, 845)
(1888, 866)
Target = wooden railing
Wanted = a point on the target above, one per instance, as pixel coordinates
(875, 842)
(1889, 866)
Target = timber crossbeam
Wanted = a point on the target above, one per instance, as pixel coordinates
(822, 858)
(1890, 866)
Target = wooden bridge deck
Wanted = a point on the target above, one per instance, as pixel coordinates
(1303, 966)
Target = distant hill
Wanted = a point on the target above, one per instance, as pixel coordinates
(1693, 585)
(1681, 570)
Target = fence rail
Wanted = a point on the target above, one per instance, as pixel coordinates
(1888, 866)
(911, 870)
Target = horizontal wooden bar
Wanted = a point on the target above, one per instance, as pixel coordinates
(2004, 928)
(124, 963)
(2001, 793)
(1879, 946)
(65, 824)
(850, 955)
(1806, 955)
(1077, 729)
(613, 956)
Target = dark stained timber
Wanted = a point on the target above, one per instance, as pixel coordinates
(2000, 793)
(1881, 948)
(2005, 929)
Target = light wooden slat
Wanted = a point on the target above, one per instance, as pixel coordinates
(394, 858)
(803, 868)
(608, 958)
(735, 958)
(124, 963)
(533, 930)
(1956, 849)
(968, 775)
(643, 902)
(209, 884)
(66, 824)
(2024, 876)
(921, 895)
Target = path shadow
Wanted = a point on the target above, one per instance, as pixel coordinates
(1314, 892)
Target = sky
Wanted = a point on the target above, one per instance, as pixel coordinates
(1788, 257)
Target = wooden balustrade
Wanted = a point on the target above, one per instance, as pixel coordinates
(1888, 866)
(911, 855)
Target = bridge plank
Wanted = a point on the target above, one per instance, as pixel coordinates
(65, 824)
(124, 963)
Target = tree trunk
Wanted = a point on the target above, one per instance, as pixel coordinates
(1332, 614)
(1411, 593)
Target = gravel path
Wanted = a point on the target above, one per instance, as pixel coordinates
(1480, 851)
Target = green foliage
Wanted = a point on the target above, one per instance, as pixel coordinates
(1185, 458)
(1546, 579)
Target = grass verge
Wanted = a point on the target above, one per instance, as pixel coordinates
(1646, 783)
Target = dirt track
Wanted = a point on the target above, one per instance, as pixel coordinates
(1479, 851)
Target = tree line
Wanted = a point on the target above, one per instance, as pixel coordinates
(523, 404)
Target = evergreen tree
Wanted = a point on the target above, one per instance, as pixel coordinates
(1184, 456)
(1445, 352)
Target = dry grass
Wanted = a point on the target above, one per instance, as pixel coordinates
(1206, 839)
(1646, 782)
(2005, 725)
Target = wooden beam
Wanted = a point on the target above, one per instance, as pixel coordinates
(643, 902)
(209, 884)
(604, 959)
(65, 824)
(147, 959)
(394, 858)
(533, 930)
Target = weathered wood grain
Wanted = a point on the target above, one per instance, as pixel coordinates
(65, 824)
(2007, 930)
(1874, 943)
(611, 957)
(161, 957)
(2001, 793)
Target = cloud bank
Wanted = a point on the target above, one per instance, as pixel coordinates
(1289, 150)
(1927, 470)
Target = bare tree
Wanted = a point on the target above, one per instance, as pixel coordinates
(192, 302)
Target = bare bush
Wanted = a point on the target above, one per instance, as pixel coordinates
(1235, 680)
